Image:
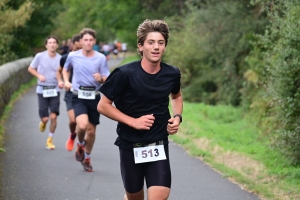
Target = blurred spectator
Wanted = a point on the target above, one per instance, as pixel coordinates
(64, 48)
(124, 49)
(70, 44)
(96, 47)
(106, 50)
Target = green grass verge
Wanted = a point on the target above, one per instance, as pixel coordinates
(222, 136)
(16, 95)
(130, 58)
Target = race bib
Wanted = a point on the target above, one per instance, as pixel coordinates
(86, 92)
(149, 154)
(49, 91)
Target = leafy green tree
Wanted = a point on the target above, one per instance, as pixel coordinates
(281, 42)
(9, 20)
(213, 39)
(28, 39)
(113, 19)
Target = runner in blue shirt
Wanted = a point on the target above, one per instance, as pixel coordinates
(90, 70)
(44, 67)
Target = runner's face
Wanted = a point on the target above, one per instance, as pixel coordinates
(76, 46)
(51, 45)
(87, 42)
(154, 47)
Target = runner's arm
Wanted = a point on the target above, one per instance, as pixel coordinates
(99, 78)
(59, 77)
(34, 72)
(66, 76)
(106, 108)
(177, 105)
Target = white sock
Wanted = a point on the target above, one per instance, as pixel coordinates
(86, 155)
(81, 143)
(51, 134)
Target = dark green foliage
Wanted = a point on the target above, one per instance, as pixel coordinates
(113, 19)
(213, 40)
(30, 38)
(282, 41)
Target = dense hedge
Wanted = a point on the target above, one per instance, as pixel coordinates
(282, 50)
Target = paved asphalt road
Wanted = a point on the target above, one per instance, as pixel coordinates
(31, 172)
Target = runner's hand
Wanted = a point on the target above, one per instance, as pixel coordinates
(144, 122)
(61, 84)
(98, 77)
(41, 78)
(173, 125)
(68, 86)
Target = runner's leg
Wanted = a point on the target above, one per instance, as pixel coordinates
(132, 175)
(53, 122)
(72, 122)
(90, 137)
(54, 112)
(158, 178)
(158, 193)
(82, 122)
(135, 196)
(43, 111)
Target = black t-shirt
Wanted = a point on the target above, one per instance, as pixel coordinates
(62, 62)
(137, 93)
(64, 49)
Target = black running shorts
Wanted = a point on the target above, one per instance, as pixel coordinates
(155, 173)
(87, 106)
(68, 100)
(46, 104)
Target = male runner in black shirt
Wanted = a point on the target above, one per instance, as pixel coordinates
(68, 94)
(140, 91)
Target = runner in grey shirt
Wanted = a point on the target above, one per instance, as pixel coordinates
(44, 67)
(90, 70)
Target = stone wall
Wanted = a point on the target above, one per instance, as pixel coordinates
(12, 75)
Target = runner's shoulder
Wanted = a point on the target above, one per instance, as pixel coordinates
(170, 68)
(129, 67)
(40, 54)
(101, 55)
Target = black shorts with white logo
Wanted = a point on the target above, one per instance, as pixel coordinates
(87, 106)
(156, 173)
(48, 103)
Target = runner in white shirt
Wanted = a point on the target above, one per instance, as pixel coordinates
(44, 67)
(90, 70)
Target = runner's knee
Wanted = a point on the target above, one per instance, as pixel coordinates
(135, 196)
(45, 119)
(53, 116)
(82, 127)
(158, 193)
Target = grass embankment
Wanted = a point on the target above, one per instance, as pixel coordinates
(130, 57)
(226, 139)
(16, 95)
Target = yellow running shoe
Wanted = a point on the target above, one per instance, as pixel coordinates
(49, 144)
(42, 126)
